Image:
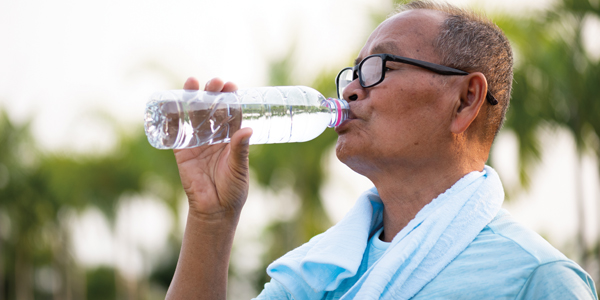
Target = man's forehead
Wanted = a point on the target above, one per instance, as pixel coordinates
(403, 33)
(383, 47)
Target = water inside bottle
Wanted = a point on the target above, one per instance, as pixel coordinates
(204, 123)
(284, 123)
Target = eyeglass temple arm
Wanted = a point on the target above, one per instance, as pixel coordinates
(443, 70)
(491, 99)
(440, 69)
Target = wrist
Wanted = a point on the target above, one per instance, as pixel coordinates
(215, 210)
(226, 219)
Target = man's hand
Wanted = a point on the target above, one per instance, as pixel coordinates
(215, 177)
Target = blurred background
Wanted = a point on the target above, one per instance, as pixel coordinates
(89, 210)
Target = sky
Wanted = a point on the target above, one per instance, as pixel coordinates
(63, 63)
(77, 68)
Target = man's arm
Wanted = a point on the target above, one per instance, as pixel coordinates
(215, 179)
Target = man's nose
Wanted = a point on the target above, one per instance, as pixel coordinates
(353, 91)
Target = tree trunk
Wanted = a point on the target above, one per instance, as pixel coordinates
(23, 276)
(2, 290)
(598, 236)
(581, 224)
(65, 268)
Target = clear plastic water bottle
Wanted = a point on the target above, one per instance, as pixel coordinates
(179, 119)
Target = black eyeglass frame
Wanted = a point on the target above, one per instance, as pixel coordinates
(439, 69)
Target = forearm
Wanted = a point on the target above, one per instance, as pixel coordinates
(202, 268)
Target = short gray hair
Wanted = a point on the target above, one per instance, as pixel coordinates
(470, 42)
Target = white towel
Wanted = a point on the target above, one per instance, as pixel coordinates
(437, 234)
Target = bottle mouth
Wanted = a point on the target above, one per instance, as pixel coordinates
(339, 108)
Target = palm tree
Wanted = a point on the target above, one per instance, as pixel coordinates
(556, 83)
(27, 207)
(39, 188)
(303, 163)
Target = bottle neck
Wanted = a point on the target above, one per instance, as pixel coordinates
(338, 109)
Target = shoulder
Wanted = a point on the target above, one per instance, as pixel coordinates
(503, 233)
(501, 261)
(558, 280)
(504, 230)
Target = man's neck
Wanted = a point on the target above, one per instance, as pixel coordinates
(404, 191)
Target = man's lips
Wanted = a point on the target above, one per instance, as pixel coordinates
(351, 115)
(344, 125)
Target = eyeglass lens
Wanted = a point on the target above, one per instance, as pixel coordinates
(370, 71)
(345, 78)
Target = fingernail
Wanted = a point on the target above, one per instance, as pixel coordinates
(206, 85)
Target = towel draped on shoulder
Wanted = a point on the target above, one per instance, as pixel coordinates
(438, 233)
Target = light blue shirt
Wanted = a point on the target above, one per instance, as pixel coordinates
(505, 261)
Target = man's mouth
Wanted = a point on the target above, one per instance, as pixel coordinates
(344, 125)
(351, 115)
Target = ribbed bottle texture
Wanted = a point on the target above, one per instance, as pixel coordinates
(179, 119)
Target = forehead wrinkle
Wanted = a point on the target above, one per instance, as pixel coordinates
(385, 47)
(388, 47)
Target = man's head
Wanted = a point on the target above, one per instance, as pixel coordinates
(414, 114)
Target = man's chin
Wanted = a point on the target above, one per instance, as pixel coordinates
(347, 152)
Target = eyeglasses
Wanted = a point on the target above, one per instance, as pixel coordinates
(371, 72)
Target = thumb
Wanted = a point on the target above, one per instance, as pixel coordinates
(240, 149)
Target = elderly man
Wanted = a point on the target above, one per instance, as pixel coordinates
(427, 95)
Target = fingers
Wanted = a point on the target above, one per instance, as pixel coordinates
(217, 85)
(214, 85)
(191, 84)
(229, 87)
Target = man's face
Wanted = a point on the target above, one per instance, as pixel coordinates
(404, 120)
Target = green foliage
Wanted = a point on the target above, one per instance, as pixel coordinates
(101, 283)
(23, 186)
(162, 274)
(580, 6)
(556, 84)
(38, 188)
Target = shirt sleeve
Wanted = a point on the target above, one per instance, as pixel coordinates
(274, 291)
(559, 280)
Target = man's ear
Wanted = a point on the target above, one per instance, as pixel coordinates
(473, 90)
